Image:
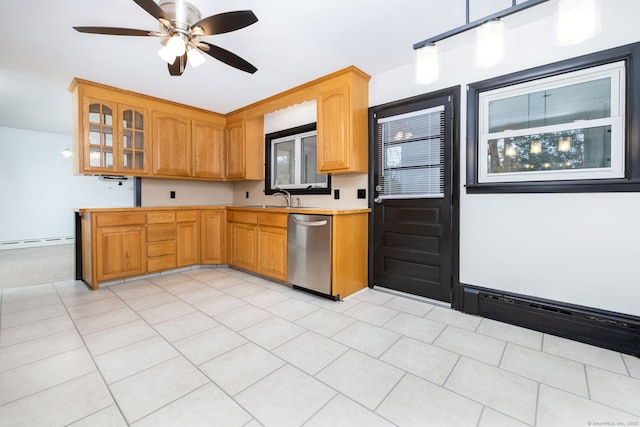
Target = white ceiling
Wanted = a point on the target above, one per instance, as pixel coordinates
(293, 42)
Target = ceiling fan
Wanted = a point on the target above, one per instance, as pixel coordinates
(181, 28)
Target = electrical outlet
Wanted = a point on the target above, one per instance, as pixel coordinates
(336, 194)
(362, 193)
(172, 194)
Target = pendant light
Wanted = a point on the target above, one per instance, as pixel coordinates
(427, 64)
(577, 20)
(490, 52)
(490, 43)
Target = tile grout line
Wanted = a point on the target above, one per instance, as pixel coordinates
(104, 381)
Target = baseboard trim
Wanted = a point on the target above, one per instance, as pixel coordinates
(34, 243)
(614, 331)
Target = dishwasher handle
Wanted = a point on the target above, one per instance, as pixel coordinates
(309, 223)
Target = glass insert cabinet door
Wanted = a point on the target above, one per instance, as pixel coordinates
(116, 137)
(134, 139)
(99, 135)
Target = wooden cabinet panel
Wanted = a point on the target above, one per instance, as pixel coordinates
(334, 131)
(166, 262)
(272, 252)
(171, 145)
(245, 149)
(273, 219)
(161, 248)
(161, 217)
(212, 237)
(187, 239)
(235, 150)
(184, 216)
(244, 245)
(119, 219)
(161, 232)
(349, 254)
(245, 217)
(208, 150)
(121, 252)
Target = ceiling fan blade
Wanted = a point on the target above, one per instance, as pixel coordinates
(229, 58)
(152, 8)
(226, 22)
(178, 66)
(114, 31)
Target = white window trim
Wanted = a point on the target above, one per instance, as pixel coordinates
(297, 138)
(616, 71)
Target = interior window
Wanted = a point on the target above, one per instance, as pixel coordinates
(291, 162)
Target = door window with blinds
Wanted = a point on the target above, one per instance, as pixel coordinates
(411, 155)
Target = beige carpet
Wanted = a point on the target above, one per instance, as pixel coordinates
(34, 266)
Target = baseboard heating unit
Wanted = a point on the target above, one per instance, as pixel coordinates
(615, 331)
(34, 243)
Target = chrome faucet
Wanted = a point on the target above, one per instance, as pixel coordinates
(285, 194)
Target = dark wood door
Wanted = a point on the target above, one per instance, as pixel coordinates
(412, 209)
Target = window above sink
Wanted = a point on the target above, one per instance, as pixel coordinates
(291, 162)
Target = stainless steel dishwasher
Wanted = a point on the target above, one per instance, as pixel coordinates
(309, 252)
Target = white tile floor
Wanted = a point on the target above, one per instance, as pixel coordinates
(218, 347)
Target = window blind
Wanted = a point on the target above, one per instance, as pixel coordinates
(411, 155)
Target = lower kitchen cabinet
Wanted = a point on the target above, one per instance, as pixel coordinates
(258, 242)
(212, 237)
(242, 239)
(121, 252)
(349, 253)
(272, 245)
(161, 241)
(120, 243)
(187, 238)
(113, 246)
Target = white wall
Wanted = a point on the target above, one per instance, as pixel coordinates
(575, 248)
(38, 190)
(298, 115)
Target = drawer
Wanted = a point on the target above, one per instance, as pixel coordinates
(246, 217)
(161, 232)
(185, 216)
(116, 219)
(273, 219)
(161, 217)
(161, 248)
(161, 263)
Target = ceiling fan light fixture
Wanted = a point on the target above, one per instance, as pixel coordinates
(195, 57)
(177, 44)
(167, 54)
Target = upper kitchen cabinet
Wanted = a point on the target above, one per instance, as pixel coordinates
(245, 148)
(117, 132)
(171, 144)
(113, 138)
(208, 149)
(342, 123)
(342, 126)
